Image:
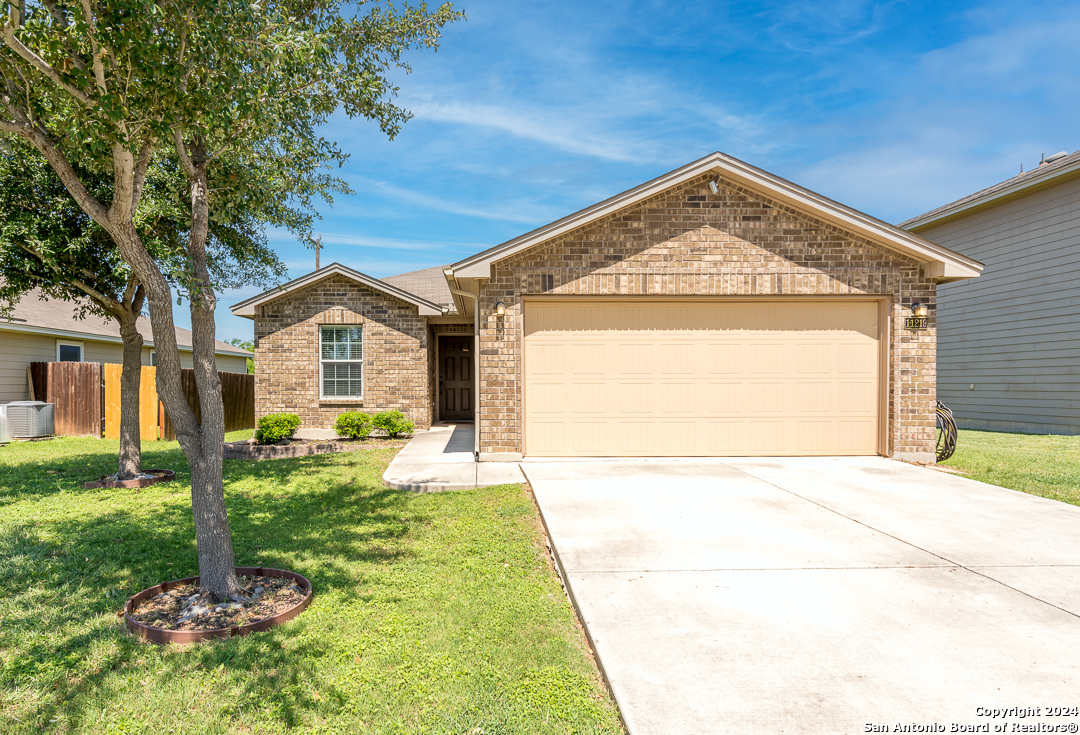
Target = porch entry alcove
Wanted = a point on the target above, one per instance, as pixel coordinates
(456, 376)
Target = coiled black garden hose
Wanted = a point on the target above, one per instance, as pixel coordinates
(946, 432)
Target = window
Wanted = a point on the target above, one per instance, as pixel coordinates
(153, 358)
(342, 362)
(69, 351)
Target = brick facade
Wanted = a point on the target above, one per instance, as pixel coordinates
(688, 241)
(395, 347)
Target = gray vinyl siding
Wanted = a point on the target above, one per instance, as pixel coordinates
(17, 351)
(229, 364)
(1014, 333)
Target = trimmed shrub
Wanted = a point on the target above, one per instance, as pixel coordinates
(273, 427)
(393, 423)
(353, 425)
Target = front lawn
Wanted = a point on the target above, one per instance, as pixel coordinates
(433, 613)
(1040, 464)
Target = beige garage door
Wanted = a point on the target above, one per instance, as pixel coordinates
(719, 378)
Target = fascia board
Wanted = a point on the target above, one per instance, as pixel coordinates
(247, 307)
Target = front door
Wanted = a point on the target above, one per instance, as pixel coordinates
(456, 378)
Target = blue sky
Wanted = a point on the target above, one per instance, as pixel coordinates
(532, 110)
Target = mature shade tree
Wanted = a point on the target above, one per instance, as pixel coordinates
(235, 91)
(47, 242)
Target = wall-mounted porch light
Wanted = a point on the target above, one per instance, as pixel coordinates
(500, 308)
(918, 308)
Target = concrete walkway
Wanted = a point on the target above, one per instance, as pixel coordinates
(442, 459)
(816, 595)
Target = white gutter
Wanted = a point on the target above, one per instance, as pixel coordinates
(476, 359)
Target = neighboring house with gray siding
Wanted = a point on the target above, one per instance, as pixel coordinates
(1009, 342)
(48, 330)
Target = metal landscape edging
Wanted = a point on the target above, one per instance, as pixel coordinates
(160, 635)
(161, 476)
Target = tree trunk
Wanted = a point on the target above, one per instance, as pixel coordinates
(216, 559)
(130, 380)
(203, 444)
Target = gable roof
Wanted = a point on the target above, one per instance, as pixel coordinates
(247, 308)
(1037, 178)
(941, 263)
(428, 283)
(57, 317)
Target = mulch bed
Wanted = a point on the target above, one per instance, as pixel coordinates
(372, 442)
(147, 478)
(181, 609)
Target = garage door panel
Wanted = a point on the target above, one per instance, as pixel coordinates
(636, 437)
(814, 397)
(549, 399)
(678, 398)
(588, 398)
(856, 396)
(546, 359)
(859, 435)
(725, 359)
(636, 358)
(677, 358)
(856, 358)
(724, 398)
(616, 378)
(635, 398)
(814, 358)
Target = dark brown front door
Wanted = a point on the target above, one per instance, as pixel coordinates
(456, 378)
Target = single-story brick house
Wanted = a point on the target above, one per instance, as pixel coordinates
(717, 310)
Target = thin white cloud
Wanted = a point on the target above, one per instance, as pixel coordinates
(525, 211)
(382, 243)
(552, 130)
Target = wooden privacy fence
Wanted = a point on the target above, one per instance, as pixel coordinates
(237, 395)
(149, 420)
(87, 399)
(75, 390)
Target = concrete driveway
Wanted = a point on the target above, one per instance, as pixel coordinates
(817, 595)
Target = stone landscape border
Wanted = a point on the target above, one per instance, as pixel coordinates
(158, 635)
(243, 450)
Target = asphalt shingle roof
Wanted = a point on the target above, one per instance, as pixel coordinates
(33, 311)
(427, 283)
(1020, 181)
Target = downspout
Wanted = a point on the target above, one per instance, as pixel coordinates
(476, 359)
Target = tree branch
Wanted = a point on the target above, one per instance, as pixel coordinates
(63, 168)
(181, 153)
(7, 33)
(95, 49)
(141, 165)
(104, 300)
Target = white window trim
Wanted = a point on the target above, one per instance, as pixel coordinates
(153, 358)
(363, 366)
(70, 343)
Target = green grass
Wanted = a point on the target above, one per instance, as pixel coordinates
(1040, 464)
(432, 614)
